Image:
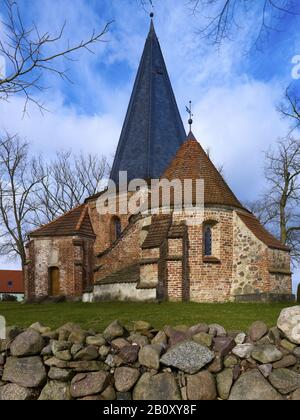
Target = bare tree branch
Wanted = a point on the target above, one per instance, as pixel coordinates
(25, 53)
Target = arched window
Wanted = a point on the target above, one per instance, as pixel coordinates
(116, 229)
(207, 241)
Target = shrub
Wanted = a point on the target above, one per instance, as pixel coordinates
(9, 298)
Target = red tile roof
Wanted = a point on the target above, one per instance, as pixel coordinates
(76, 221)
(191, 162)
(260, 232)
(158, 231)
(11, 281)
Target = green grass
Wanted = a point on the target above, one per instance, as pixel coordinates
(232, 316)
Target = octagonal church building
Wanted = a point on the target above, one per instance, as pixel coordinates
(93, 256)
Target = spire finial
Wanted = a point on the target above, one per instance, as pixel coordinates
(189, 111)
(152, 7)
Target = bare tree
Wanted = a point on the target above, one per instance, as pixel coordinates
(26, 53)
(223, 18)
(290, 108)
(66, 181)
(279, 207)
(18, 189)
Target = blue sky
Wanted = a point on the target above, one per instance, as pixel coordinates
(234, 90)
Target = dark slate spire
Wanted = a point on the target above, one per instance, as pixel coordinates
(153, 130)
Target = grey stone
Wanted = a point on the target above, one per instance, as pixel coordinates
(231, 361)
(224, 383)
(87, 353)
(129, 353)
(57, 374)
(87, 366)
(296, 352)
(96, 340)
(266, 353)
(252, 386)
(217, 364)
(285, 380)
(76, 348)
(258, 330)
(287, 345)
(217, 330)
(138, 339)
(160, 338)
(201, 387)
(64, 355)
(289, 323)
(57, 346)
(160, 387)
(125, 378)
(47, 351)
(240, 338)
(85, 384)
(296, 395)
(199, 328)
(203, 339)
(287, 361)
(40, 328)
(28, 372)
(78, 337)
(141, 326)
(274, 336)
(119, 343)
(223, 345)
(124, 396)
(28, 343)
(53, 361)
(114, 330)
(55, 391)
(14, 392)
(149, 356)
(265, 370)
(188, 356)
(109, 394)
(177, 337)
(104, 351)
(243, 350)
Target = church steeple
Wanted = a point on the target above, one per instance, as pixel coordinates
(153, 130)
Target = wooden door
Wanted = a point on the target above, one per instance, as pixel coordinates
(54, 281)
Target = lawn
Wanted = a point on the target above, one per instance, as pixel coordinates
(97, 316)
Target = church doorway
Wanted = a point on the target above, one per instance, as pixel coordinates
(54, 281)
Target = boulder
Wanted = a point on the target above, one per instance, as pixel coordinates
(217, 364)
(217, 330)
(55, 391)
(296, 395)
(141, 326)
(149, 356)
(53, 361)
(265, 370)
(289, 323)
(87, 353)
(119, 343)
(129, 354)
(177, 337)
(28, 372)
(223, 345)
(96, 340)
(188, 356)
(266, 353)
(64, 355)
(78, 337)
(57, 346)
(287, 361)
(114, 330)
(28, 343)
(57, 374)
(40, 328)
(87, 366)
(243, 351)
(252, 386)
(196, 329)
(203, 339)
(85, 384)
(104, 351)
(231, 361)
(160, 339)
(240, 338)
(224, 383)
(287, 345)
(14, 392)
(258, 330)
(125, 378)
(160, 387)
(123, 396)
(138, 339)
(285, 380)
(201, 387)
(296, 352)
(109, 394)
(12, 332)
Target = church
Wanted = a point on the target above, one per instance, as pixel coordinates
(227, 256)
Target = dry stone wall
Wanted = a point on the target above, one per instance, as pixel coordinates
(136, 361)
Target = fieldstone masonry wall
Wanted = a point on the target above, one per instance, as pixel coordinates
(138, 362)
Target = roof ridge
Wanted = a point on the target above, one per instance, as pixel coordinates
(81, 218)
(58, 218)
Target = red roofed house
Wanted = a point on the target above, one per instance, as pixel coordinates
(11, 283)
(227, 256)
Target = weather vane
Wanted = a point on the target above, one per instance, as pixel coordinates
(189, 111)
(152, 6)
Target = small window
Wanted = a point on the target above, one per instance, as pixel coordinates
(10, 284)
(207, 241)
(118, 228)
